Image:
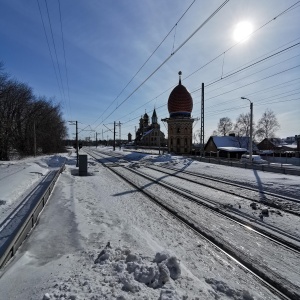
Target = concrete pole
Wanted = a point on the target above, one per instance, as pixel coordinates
(77, 145)
(34, 139)
(251, 130)
(114, 146)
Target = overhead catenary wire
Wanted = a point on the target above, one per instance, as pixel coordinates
(216, 82)
(171, 55)
(138, 71)
(49, 48)
(281, 51)
(54, 46)
(274, 18)
(65, 60)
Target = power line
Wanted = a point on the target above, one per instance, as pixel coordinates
(231, 47)
(277, 53)
(177, 49)
(64, 51)
(59, 72)
(146, 60)
(55, 72)
(249, 66)
(199, 89)
(274, 87)
(282, 13)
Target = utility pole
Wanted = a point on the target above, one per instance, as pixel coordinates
(202, 121)
(34, 139)
(251, 128)
(77, 144)
(96, 140)
(114, 144)
(120, 133)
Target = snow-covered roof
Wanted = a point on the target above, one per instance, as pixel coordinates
(232, 141)
(147, 132)
(291, 146)
(232, 149)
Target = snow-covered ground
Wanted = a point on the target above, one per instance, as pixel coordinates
(98, 238)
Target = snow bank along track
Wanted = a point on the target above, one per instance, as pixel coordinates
(284, 203)
(288, 204)
(16, 227)
(254, 261)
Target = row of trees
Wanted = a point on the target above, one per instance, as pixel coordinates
(28, 124)
(265, 128)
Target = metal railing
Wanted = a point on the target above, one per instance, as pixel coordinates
(13, 241)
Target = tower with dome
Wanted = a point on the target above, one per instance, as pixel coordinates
(180, 122)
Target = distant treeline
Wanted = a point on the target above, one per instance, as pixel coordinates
(29, 124)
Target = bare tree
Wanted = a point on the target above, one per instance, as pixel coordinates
(225, 126)
(267, 125)
(20, 113)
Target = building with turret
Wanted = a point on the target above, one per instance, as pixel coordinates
(180, 122)
(149, 134)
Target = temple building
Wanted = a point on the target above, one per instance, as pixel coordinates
(149, 134)
(180, 123)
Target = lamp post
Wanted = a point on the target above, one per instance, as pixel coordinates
(251, 131)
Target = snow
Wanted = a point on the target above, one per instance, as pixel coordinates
(99, 238)
(232, 141)
(232, 149)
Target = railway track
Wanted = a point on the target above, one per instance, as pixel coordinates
(178, 203)
(288, 204)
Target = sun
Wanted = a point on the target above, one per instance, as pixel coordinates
(242, 31)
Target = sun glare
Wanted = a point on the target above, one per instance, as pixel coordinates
(242, 31)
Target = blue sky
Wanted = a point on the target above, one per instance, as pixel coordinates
(106, 42)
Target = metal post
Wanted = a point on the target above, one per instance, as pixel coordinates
(159, 140)
(120, 137)
(202, 121)
(251, 128)
(77, 145)
(114, 144)
(34, 139)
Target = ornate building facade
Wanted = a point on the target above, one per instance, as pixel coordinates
(149, 134)
(180, 123)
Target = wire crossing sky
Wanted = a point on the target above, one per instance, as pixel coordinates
(107, 61)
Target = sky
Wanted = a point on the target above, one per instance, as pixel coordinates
(98, 59)
(59, 259)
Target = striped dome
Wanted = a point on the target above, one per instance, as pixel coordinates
(180, 103)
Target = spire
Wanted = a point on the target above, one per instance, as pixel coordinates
(179, 73)
(154, 117)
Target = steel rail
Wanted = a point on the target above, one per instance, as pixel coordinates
(274, 286)
(232, 184)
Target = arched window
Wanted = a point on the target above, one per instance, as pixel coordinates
(178, 130)
(178, 141)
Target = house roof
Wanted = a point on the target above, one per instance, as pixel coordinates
(147, 132)
(232, 141)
